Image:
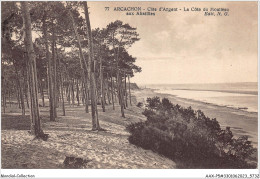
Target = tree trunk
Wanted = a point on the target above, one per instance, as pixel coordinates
(20, 90)
(83, 93)
(28, 81)
(72, 93)
(129, 87)
(62, 96)
(120, 95)
(117, 85)
(69, 91)
(26, 91)
(18, 97)
(101, 85)
(83, 63)
(86, 96)
(119, 79)
(4, 90)
(125, 90)
(35, 118)
(77, 95)
(58, 77)
(91, 71)
(112, 90)
(42, 93)
(54, 72)
(25, 87)
(50, 75)
(107, 91)
(9, 96)
(61, 85)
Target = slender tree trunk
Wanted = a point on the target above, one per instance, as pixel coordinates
(25, 87)
(26, 92)
(57, 76)
(83, 63)
(62, 96)
(77, 95)
(61, 85)
(104, 92)
(125, 90)
(42, 93)
(83, 93)
(119, 79)
(18, 97)
(120, 95)
(54, 72)
(35, 116)
(50, 78)
(20, 90)
(105, 96)
(28, 82)
(69, 91)
(112, 91)
(122, 92)
(108, 93)
(91, 71)
(129, 88)
(86, 96)
(9, 96)
(73, 93)
(4, 86)
(48, 75)
(26, 97)
(101, 86)
(4, 100)
(117, 85)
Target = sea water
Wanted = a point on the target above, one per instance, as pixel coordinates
(241, 96)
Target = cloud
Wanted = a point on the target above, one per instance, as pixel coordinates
(188, 46)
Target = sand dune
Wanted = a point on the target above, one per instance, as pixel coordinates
(71, 135)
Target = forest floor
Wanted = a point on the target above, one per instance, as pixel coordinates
(71, 136)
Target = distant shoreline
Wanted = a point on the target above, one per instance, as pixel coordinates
(195, 87)
(223, 91)
(206, 103)
(152, 84)
(244, 108)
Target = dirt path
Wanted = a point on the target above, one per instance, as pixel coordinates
(71, 135)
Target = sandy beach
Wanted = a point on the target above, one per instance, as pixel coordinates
(71, 135)
(241, 122)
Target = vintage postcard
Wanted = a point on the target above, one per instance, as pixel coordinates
(129, 85)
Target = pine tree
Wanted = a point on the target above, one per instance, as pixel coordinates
(35, 118)
(91, 72)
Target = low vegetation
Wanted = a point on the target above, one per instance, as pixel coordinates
(190, 138)
(139, 104)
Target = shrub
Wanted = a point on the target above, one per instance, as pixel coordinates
(75, 163)
(153, 103)
(139, 104)
(189, 137)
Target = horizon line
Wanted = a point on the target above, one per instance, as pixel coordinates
(193, 83)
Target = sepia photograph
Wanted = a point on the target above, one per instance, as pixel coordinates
(129, 85)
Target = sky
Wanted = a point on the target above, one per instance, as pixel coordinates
(188, 47)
